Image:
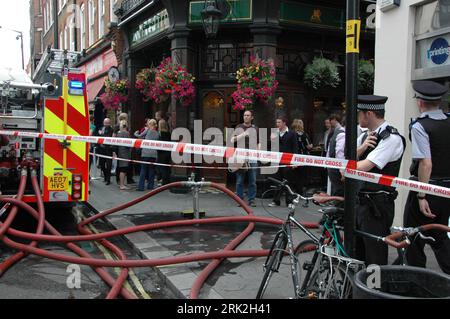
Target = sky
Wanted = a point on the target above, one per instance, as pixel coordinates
(14, 15)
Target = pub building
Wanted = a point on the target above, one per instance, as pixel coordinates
(290, 32)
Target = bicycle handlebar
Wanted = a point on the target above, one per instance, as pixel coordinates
(391, 239)
(284, 184)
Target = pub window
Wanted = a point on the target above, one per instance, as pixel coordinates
(221, 60)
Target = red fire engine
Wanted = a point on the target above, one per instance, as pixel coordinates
(57, 107)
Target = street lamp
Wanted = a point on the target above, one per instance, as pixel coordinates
(211, 16)
(19, 36)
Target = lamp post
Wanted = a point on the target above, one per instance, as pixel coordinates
(19, 36)
(351, 95)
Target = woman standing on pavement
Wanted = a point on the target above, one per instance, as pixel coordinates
(148, 155)
(304, 146)
(164, 156)
(123, 152)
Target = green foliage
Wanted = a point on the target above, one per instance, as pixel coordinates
(322, 73)
(366, 77)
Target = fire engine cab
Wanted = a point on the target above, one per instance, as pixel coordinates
(57, 107)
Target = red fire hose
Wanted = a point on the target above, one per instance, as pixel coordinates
(86, 259)
(4, 266)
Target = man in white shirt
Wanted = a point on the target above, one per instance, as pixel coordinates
(380, 150)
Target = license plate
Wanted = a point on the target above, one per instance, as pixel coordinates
(58, 183)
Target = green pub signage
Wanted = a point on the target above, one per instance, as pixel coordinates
(149, 27)
(240, 11)
(314, 15)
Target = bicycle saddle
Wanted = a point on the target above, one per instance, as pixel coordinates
(333, 212)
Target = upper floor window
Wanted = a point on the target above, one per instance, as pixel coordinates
(61, 4)
(72, 35)
(61, 40)
(82, 28)
(50, 12)
(101, 18)
(66, 37)
(91, 21)
(432, 16)
(112, 16)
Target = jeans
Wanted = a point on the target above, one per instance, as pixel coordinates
(240, 177)
(147, 173)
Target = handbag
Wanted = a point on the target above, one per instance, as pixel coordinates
(234, 166)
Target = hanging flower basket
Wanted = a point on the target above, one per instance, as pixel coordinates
(116, 94)
(322, 73)
(145, 83)
(256, 82)
(168, 79)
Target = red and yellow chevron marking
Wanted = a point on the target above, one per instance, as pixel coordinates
(67, 115)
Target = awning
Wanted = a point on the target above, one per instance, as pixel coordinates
(94, 89)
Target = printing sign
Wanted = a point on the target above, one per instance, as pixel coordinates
(439, 51)
(433, 53)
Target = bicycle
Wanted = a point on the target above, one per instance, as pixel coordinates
(283, 242)
(330, 271)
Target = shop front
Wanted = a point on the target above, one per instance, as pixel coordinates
(292, 33)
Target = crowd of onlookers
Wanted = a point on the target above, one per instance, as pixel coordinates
(124, 168)
(291, 140)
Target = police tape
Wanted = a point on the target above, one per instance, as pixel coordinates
(237, 154)
(186, 166)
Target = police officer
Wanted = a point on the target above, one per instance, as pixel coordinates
(429, 135)
(380, 150)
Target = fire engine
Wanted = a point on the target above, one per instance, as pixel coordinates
(57, 107)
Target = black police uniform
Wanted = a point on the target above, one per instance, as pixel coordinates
(375, 208)
(438, 132)
(107, 150)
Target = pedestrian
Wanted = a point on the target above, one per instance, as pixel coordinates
(92, 146)
(324, 145)
(4, 140)
(123, 152)
(287, 144)
(336, 183)
(158, 117)
(431, 154)
(106, 150)
(304, 147)
(142, 129)
(122, 117)
(164, 157)
(380, 150)
(246, 136)
(148, 155)
(326, 136)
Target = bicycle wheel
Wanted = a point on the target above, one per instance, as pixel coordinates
(305, 258)
(330, 281)
(272, 263)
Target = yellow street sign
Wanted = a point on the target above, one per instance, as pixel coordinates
(353, 34)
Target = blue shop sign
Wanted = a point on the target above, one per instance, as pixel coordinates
(439, 51)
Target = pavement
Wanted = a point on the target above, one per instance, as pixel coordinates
(236, 278)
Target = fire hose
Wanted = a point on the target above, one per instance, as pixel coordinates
(86, 259)
(40, 216)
